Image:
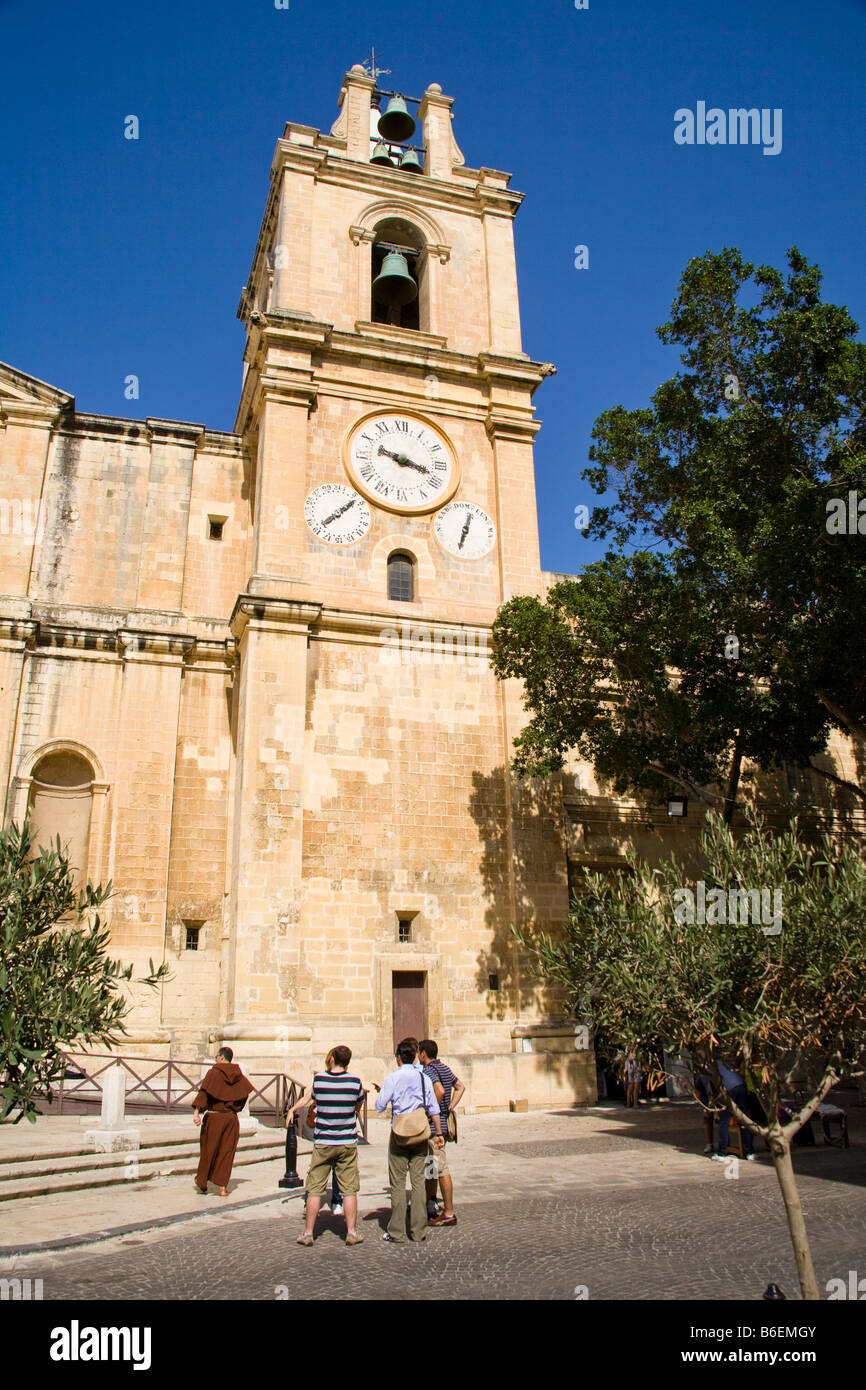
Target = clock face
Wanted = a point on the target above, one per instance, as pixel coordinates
(336, 514)
(464, 530)
(401, 463)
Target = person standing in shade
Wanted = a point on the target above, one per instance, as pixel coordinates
(222, 1095)
(338, 1096)
(407, 1090)
(448, 1090)
(632, 1078)
(735, 1085)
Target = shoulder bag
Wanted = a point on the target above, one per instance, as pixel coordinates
(413, 1127)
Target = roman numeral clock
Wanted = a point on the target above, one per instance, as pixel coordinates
(402, 463)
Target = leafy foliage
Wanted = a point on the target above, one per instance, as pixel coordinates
(723, 481)
(57, 985)
(792, 1004)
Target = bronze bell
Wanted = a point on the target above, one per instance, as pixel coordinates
(410, 163)
(396, 124)
(381, 155)
(394, 284)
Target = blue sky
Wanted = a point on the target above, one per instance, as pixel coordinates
(121, 257)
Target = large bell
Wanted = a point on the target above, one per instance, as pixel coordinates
(394, 284)
(396, 124)
(381, 155)
(410, 163)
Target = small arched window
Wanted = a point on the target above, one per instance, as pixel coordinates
(401, 577)
(61, 798)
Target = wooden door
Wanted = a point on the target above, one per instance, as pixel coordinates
(410, 1018)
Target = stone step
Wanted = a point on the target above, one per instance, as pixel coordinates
(155, 1152)
(115, 1175)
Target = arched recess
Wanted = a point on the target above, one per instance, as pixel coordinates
(403, 224)
(62, 784)
(415, 547)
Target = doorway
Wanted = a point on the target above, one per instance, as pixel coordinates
(409, 1004)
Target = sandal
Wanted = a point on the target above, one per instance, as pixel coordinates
(354, 1239)
(443, 1220)
(305, 1240)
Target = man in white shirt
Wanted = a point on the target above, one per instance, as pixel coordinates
(405, 1090)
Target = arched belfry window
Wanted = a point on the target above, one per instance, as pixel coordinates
(401, 577)
(60, 803)
(398, 290)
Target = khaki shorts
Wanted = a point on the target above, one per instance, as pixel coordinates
(437, 1164)
(343, 1158)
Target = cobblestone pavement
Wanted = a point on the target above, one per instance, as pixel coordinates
(621, 1206)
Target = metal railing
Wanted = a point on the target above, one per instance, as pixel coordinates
(168, 1087)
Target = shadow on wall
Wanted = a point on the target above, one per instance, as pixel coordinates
(524, 877)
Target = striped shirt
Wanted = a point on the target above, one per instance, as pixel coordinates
(437, 1071)
(335, 1095)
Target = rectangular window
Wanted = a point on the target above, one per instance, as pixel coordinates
(191, 936)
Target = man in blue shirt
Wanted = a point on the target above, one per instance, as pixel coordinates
(406, 1090)
(735, 1085)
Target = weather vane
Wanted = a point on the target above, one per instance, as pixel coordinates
(371, 68)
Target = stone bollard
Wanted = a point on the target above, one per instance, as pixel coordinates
(113, 1134)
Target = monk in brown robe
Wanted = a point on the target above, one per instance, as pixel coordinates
(223, 1093)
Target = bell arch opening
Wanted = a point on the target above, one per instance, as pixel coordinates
(399, 291)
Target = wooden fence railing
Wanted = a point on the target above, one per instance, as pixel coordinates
(166, 1087)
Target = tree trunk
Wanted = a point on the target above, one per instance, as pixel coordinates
(781, 1150)
(733, 781)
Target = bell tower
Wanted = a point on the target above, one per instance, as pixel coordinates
(387, 414)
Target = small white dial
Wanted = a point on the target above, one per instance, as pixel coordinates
(401, 463)
(337, 514)
(465, 530)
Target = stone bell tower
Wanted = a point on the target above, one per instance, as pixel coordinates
(379, 847)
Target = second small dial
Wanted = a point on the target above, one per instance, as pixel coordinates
(337, 514)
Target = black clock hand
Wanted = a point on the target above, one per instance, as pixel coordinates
(402, 459)
(339, 512)
(465, 532)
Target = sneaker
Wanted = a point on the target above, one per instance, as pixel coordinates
(720, 1158)
(708, 1148)
(750, 1158)
(338, 1209)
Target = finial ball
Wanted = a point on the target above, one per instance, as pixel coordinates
(435, 88)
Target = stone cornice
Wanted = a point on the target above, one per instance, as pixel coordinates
(345, 620)
(504, 424)
(174, 431)
(29, 413)
(265, 609)
(472, 194)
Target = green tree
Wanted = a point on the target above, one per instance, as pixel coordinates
(740, 464)
(734, 631)
(788, 1002)
(57, 984)
(627, 666)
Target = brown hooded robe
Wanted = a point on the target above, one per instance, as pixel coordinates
(223, 1093)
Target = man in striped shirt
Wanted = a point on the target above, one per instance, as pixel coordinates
(337, 1097)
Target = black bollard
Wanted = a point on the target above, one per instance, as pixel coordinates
(291, 1178)
(774, 1293)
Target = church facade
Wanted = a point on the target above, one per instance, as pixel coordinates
(245, 674)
